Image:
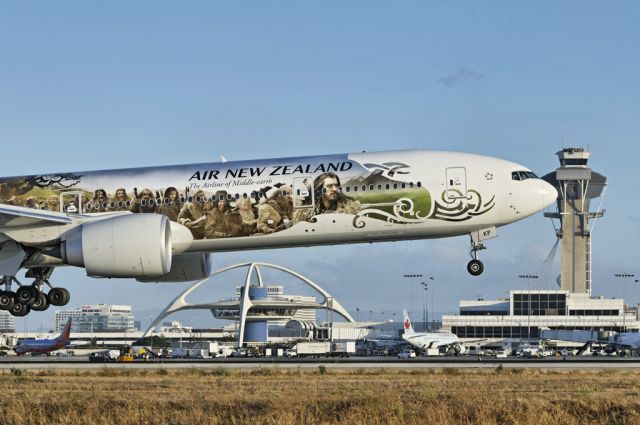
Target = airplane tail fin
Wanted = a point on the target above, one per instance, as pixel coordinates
(66, 332)
(408, 329)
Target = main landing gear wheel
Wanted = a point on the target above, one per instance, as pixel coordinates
(59, 296)
(7, 300)
(20, 310)
(27, 295)
(475, 267)
(41, 303)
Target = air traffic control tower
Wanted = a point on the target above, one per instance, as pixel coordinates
(577, 185)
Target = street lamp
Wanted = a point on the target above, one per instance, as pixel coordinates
(425, 286)
(412, 276)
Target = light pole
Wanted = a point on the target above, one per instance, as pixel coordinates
(433, 297)
(624, 309)
(425, 286)
(412, 276)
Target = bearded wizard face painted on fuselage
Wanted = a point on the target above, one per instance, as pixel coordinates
(330, 199)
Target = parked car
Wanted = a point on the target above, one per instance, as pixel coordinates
(501, 354)
(406, 354)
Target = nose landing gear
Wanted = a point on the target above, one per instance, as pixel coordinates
(475, 266)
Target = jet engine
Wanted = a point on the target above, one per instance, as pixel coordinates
(185, 268)
(136, 245)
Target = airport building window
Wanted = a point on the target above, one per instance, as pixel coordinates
(594, 312)
(496, 331)
(539, 304)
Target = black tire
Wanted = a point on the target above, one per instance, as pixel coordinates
(41, 303)
(475, 267)
(26, 295)
(67, 296)
(7, 300)
(20, 310)
(58, 296)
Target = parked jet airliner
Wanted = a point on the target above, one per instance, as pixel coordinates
(423, 340)
(45, 346)
(162, 223)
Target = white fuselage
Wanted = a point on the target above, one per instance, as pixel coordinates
(285, 202)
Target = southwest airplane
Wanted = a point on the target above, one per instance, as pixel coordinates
(45, 346)
(162, 224)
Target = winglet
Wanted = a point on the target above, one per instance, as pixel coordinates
(408, 329)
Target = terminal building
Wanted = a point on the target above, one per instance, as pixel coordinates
(525, 313)
(96, 318)
(261, 312)
(7, 322)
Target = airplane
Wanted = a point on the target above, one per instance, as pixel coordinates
(45, 346)
(163, 224)
(614, 342)
(424, 340)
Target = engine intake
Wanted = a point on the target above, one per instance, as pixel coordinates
(123, 246)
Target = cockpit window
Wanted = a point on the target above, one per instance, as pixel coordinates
(523, 175)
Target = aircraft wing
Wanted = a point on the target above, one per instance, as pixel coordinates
(12, 217)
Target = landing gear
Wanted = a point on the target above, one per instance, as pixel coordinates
(19, 310)
(7, 300)
(32, 297)
(58, 296)
(475, 266)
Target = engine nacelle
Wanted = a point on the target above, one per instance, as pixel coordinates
(186, 268)
(136, 245)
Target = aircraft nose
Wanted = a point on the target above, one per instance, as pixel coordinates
(549, 194)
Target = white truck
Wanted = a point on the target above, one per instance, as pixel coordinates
(322, 348)
(312, 349)
(190, 353)
(343, 348)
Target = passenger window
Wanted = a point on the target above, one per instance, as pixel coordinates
(395, 185)
(364, 187)
(379, 187)
(370, 187)
(355, 188)
(411, 185)
(419, 184)
(403, 185)
(348, 189)
(386, 186)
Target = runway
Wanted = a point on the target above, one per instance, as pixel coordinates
(82, 362)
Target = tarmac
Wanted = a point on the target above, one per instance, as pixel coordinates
(466, 362)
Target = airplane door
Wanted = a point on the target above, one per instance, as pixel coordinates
(71, 202)
(303, 192)
(456, 182)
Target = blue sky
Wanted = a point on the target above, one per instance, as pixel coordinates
(123, 84)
